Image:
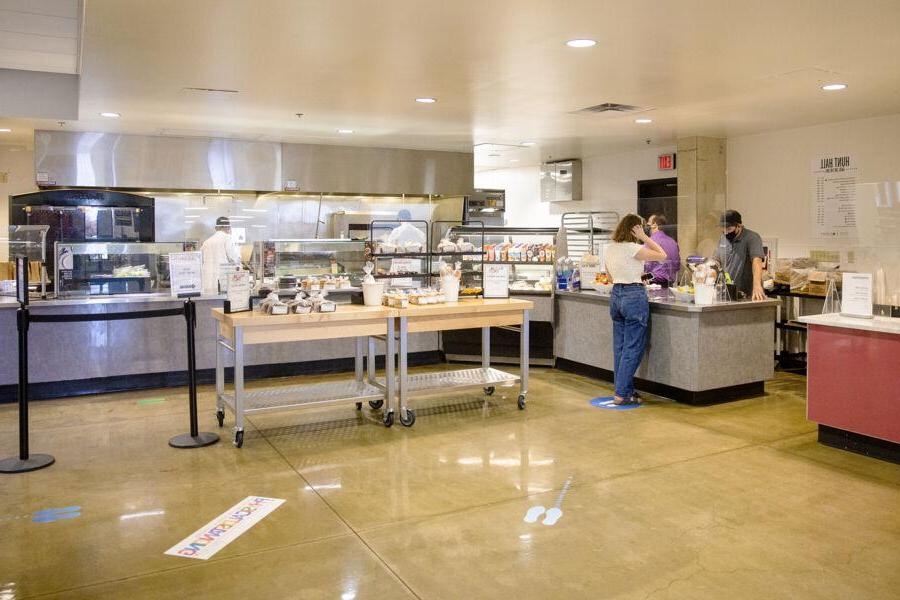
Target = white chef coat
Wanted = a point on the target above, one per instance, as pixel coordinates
(219, 249)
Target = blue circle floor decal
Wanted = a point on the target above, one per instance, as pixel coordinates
(607, 402)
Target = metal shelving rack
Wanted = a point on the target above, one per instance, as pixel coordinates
(585, 231)
(472, 262)
(424, 256)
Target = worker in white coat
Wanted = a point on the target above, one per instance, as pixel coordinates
(218, 250)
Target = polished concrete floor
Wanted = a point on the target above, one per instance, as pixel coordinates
(664, 501)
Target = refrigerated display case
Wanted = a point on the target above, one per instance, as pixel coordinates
(453, 243)
(531, 278)
(282, 264)
(107, 268)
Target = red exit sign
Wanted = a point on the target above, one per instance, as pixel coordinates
(665, 162)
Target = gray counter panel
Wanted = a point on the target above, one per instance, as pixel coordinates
(690, 350)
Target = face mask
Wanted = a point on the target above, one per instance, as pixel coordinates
(647, 229)
(730, 236)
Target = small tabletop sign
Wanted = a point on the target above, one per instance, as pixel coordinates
(403, 266)
(237, 292)
(496, 281)
(185, 273)
(857, 295)
(22, 279)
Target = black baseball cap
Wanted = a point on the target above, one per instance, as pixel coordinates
(223, 222)
(731, 218)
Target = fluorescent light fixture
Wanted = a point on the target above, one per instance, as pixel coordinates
(5, 130)
(643, 121)
(581, 43)
(513, 160)
(256, 210)
(196, 208)
(426, 100)
(834, 87)
(345, 131)
(493, 154)
(488, 210)
(527, 143)
(110, 115)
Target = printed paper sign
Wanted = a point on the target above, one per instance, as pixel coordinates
(835, 179)
(856, 289)
(185, 276)
(496, 281)
(238, 290)
(224, 529)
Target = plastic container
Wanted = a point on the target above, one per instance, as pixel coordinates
(450, 288)
(372, 293)
(704, 294)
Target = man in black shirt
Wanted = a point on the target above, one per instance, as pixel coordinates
(741, 252)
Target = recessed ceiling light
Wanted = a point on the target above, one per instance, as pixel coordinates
(526, 143)
(110, 115)
(581, 43)
(345, 131)
(5, 130)
(426, 100)
(833, 87)
(643, 121)
(514, 160)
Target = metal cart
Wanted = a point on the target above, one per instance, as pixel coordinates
(466, 314)
(237, 330)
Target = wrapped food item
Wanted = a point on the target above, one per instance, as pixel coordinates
(367, 269)
(343, 282)
(465, 246)
(445, 245)
(273, 305)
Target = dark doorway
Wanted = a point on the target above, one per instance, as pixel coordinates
(660, 197)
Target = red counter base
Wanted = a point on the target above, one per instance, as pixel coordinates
(852, 389)
(861, 444)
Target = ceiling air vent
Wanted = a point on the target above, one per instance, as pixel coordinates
(612, 107)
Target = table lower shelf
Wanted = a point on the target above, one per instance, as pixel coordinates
(297, 396)
(462, 378)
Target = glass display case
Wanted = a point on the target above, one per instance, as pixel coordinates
(284, 264)
(530, 253)
(105, 268)
(453, 243)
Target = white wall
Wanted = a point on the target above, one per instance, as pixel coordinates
(770, 183)
(609, 183)
(17, 162)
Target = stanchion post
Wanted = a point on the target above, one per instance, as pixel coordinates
(25, 461)
(196, 438)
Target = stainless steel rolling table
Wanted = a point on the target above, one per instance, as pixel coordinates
(237, 330)
(465, 314)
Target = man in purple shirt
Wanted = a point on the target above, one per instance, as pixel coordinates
(664, 273)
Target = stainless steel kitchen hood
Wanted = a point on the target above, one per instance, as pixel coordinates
(109, 160)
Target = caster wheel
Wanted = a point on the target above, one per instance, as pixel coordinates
(220, 417)
(376, 404)
(239, 439)
(359, 406)
(521, 402)
(489, 391)
(389, 419)
(409, 419)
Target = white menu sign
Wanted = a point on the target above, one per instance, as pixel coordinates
(834, 183)
(185, 273)
(405, 265)
(238, 291)
(857, 295)
(496, 281)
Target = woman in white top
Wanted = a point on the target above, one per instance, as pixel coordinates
(628, 305)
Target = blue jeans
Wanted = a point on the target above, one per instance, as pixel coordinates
(630, 313)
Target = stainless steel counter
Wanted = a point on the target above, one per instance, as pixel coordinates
(87, 357)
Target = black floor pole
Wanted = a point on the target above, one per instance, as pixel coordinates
(196, 438)
(25, 461)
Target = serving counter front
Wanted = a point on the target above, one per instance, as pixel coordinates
(852, 376)
(69, 359)
(696, 354)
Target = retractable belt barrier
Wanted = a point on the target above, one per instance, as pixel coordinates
(31, 462)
